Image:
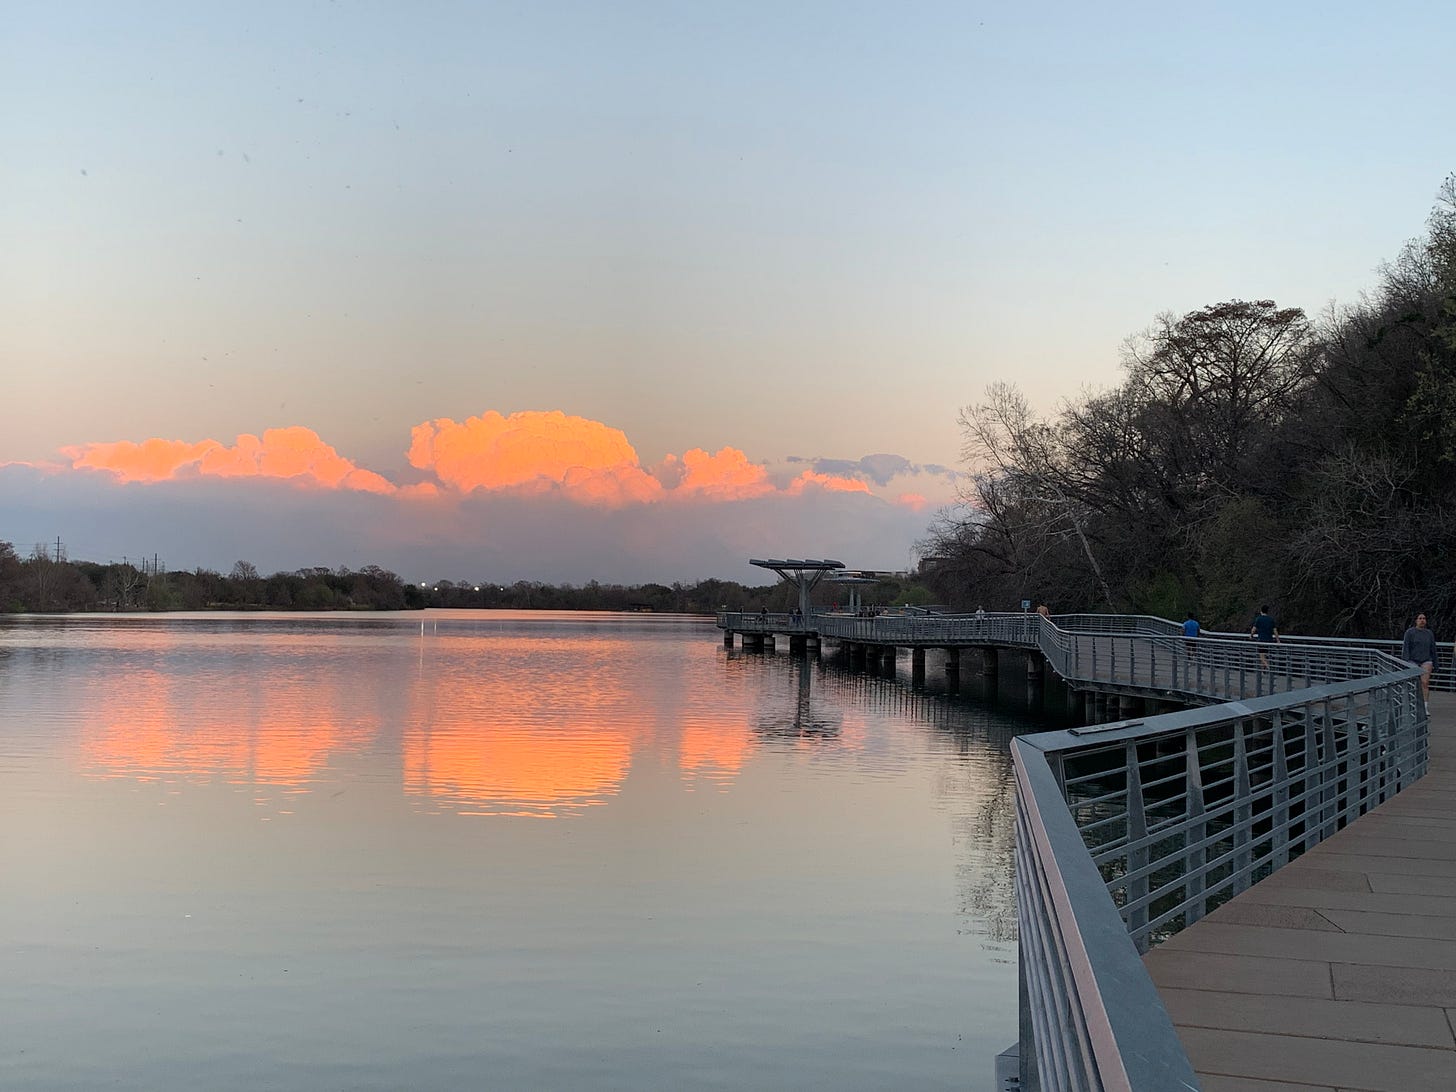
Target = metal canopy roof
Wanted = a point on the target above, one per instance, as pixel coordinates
(803, 573)
(796, 563)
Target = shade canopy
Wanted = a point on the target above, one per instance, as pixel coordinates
(803, 573)
(802, 564)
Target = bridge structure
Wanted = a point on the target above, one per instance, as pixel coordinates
(1132, 831)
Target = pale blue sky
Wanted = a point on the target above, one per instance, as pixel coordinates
(810, 229)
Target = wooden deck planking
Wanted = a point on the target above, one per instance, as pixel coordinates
(1339, 971)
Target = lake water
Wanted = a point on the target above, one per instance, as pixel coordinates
(491, 850)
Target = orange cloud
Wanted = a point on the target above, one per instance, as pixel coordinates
(828, 482)
(728, 475)
(588, 460)
(531, 452)
(294, 453)
(149, 461)
(916, 502)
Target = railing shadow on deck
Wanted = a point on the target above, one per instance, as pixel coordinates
(1131, 831)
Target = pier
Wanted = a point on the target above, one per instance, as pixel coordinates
(1240, 894)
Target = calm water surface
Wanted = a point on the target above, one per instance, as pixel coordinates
(517, 851)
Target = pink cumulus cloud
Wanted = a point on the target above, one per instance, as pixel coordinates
(529, 453)
(295, 453)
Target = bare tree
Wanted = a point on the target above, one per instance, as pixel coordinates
(1020, 468)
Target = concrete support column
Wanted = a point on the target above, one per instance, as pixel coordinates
(990, 662)
(727, 638)
(917, 667)
(952, 661)
(796, 644)
(1035, 665)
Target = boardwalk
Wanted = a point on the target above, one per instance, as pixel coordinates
(1337, 972)
(1334, 972)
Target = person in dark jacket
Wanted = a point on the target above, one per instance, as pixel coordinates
(1264, 631)
(1419, 647)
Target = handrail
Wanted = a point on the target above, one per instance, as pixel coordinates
(1442, 678)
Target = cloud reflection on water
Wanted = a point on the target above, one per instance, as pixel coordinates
(156, 726)
(523, 725)
(546, 723)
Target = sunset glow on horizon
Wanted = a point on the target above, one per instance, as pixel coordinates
(526, 452)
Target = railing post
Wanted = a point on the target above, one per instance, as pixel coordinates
(1197, 836)
(1373, 764)
(1137, 851)
(1280, 846)
(1243, 810)
(1330, 776)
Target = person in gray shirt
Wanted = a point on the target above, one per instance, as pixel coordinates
(1419, 647)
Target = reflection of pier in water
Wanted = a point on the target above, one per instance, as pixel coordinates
(1000, 681)
(976, 740)
(803, 721)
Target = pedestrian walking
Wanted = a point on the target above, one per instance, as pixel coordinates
(1190, 631)
(1419, 647)
(1264, 632)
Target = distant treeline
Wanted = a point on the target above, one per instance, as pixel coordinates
(42, 583)
(1250, 455)
(704, 597)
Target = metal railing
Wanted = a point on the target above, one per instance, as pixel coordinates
(1442, 678)
(1016, 630)
(765, 622)
(1129, 832)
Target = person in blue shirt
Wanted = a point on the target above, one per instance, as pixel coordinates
(1265, 632)
(1190, 631)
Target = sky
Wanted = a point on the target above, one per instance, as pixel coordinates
(635, 291)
